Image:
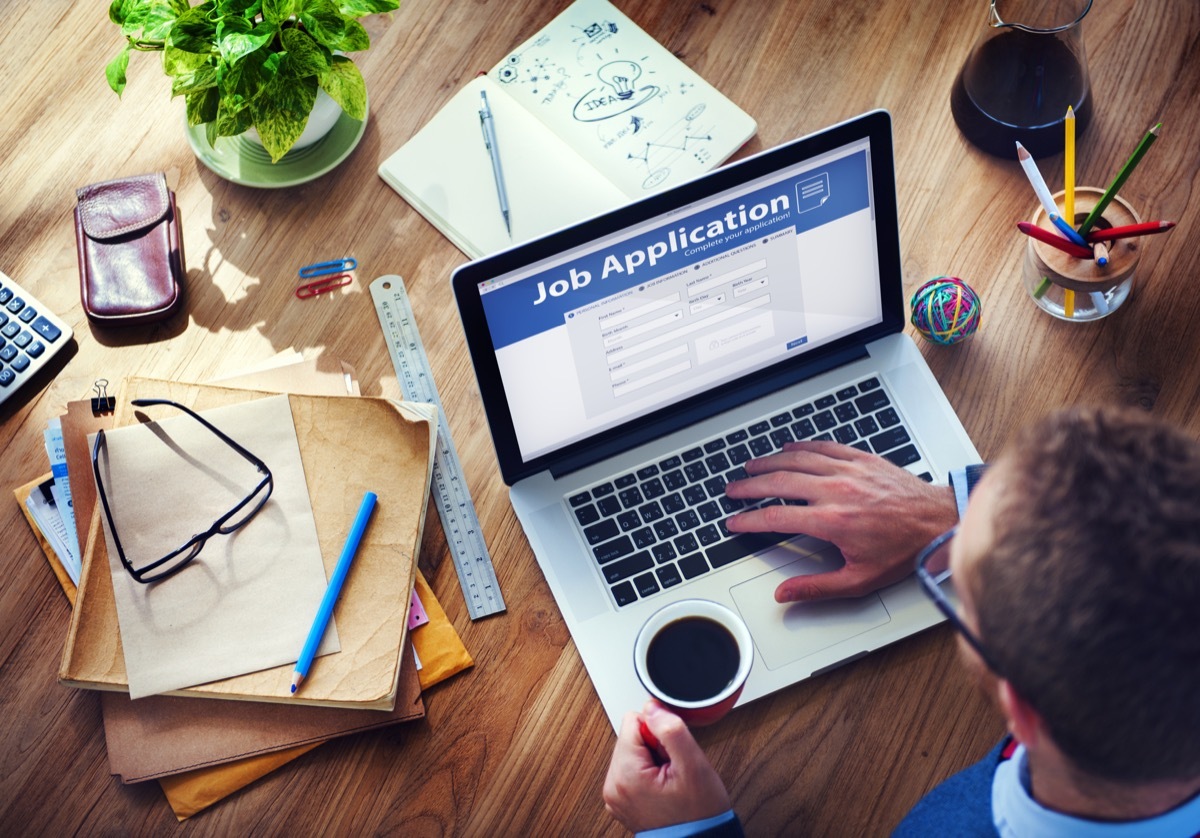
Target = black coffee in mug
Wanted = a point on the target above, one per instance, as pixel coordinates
(692, 658)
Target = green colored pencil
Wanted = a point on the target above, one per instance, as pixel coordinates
(1119, 180)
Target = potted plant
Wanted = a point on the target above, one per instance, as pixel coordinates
(242, 64)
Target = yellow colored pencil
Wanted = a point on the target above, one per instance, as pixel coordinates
(1069, 195)
(1069, 165)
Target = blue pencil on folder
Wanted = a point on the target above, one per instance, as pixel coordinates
(325, 611)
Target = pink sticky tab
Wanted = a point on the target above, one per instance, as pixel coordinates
(416, 612)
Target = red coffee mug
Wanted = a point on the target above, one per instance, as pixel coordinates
(693, 667)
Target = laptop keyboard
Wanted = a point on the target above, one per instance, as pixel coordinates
(663, 524)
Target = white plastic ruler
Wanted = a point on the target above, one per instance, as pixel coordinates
(459, 519)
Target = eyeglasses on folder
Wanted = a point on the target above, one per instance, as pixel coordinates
(235, 518)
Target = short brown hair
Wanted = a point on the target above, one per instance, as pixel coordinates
(1090, 596)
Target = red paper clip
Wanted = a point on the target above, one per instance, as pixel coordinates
(321, 286)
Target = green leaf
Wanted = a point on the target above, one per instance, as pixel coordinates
(144, 21)
(236, 38)
(324, 22)
(244, 9)
(344, 84)
(201, 79)
(119, 10)
(281, 111)
(202, 106)
(177, 62)
(355, 38)
(233, 117)
(361, 8)
(244, 80)
(304, 56)
(277, 11)
(160, 17)
(194, 32)
(115, 71)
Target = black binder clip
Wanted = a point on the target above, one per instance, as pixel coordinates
(102, 402)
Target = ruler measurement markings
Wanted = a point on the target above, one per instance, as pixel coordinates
(459, 519)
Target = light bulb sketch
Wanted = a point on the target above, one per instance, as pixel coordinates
(621, 76)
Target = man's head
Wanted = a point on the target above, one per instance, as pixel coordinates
(1080, 556)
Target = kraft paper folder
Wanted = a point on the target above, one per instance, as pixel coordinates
(348, 445)
(163, 735)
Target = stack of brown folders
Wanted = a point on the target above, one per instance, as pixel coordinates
(203, 750)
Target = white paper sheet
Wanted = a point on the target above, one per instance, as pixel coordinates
(247, 601)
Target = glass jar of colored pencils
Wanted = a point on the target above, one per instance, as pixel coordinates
(1078, 282)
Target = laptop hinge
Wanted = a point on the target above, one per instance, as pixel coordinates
(623, 439)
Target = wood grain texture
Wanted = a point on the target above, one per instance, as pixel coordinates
(519, 745)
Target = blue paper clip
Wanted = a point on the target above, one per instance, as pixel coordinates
(333, 267)
(322, 285)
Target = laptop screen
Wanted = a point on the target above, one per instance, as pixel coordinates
(643, 313)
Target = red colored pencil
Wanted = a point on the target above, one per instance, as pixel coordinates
(1054, 240)
(1145, 229)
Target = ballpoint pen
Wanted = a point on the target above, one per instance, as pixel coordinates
(489, 139)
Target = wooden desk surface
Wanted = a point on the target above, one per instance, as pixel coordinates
(520, 744)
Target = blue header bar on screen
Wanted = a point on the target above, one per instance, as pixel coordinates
(807, 200)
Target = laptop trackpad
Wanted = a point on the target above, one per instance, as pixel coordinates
(787, 633)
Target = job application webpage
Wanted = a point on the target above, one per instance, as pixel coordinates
(603, 334)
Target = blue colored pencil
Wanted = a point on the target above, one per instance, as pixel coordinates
(325, 611)
(1067, 230)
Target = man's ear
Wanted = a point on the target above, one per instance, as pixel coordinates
(1024, 722)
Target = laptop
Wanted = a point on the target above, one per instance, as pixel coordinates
(629, 366)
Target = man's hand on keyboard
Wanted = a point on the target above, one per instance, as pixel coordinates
(877, 514)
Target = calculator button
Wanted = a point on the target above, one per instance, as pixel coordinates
(10, 330)
(46, 329)
(15, 304)
(5, 296)
(20, 363)
(22, 340)
(35, 349)
(8, 353)
(7, 377)
(27, 314)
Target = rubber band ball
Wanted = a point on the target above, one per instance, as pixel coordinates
(945, 310)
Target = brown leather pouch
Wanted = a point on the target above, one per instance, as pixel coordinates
(130, 250)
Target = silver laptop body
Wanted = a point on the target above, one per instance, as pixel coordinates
(668, 341)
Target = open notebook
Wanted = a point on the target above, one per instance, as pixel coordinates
(589, 113)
